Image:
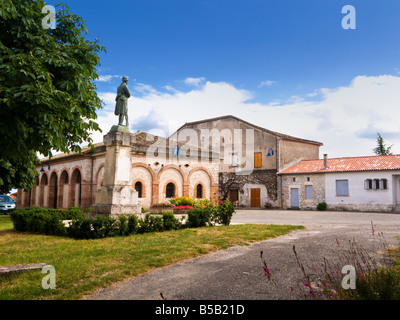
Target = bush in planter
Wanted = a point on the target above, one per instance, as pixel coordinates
(182, 201)
(322, 206)
(179, 208)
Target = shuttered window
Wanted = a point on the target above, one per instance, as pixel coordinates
(342, 187)
(308, 192)
(257, 160)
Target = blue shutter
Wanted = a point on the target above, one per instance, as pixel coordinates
(308, 192)
(342, 187)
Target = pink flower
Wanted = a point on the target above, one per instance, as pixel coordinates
(267, 273)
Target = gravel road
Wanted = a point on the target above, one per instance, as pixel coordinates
(237, 273)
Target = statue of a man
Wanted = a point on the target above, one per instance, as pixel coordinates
(121, 106)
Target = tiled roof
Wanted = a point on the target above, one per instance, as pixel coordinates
(142, 139)
(367, 163)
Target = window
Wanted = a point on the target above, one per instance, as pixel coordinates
(308, 192)
(342, 187)
(234, 159)
(199, 191)
(384, 184)
(138, 188)
(170, 190)
(294, 179)
(375, 184)
(257, 160)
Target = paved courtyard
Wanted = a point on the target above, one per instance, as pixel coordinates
(237, 273)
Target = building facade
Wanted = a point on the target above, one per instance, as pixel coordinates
(250, 157)
(370, 183)
(158, 173)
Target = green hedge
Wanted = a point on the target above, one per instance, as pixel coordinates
(40, 220)
(49, 221)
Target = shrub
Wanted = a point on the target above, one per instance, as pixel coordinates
(199, 217)
(150, 224)
(201, 203)
(222, 214)
(170, 222)
(133, 224)
(43, 220)
(322, 206)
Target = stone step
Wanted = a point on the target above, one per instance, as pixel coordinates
(20, 267)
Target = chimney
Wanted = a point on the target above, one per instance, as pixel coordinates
(325, 161)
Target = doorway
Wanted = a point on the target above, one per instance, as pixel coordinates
(234, 195)
(255, 199)
(294, 197)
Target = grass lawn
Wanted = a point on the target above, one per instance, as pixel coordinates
(83, 266)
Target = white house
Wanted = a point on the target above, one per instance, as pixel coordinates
(370, 183)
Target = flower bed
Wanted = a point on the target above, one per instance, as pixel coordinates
(182, 209)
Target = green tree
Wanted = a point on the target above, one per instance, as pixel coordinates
(47, 92)
(381, 148)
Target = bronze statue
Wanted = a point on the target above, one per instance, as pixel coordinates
(121, 106)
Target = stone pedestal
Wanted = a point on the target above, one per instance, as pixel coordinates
(117, 196)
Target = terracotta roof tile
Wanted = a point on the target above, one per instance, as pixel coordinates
(366, 163)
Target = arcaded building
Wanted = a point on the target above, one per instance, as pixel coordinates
(223, 156)
(158, 172)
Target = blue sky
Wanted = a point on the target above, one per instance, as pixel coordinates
(286, 65)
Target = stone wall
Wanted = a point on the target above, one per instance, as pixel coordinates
(300, 181)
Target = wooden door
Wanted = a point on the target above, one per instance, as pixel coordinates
(255, 198)
(234, 195)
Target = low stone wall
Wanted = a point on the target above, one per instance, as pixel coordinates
(362, 207)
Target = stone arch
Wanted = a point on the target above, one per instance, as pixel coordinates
(100, 177)
(63, 189)
(171, 174)
(35, 193)
(200, 176)
(171, 166)
(53, 190)
(43, 189)
(75, 185)
(144, 174)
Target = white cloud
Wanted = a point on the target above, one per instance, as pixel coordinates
(194, 81)
(107, 78)
(341, 119)
(267, 83)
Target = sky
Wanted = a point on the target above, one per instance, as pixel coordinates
(291, 66)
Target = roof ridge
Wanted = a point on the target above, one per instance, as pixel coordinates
(281, 135)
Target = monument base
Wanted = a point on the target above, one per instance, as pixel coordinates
(119, 128)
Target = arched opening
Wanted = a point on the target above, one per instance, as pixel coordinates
(76, 189)
(63, 192)
(43, 191)
(139, 189)
(199, 191)
(170, 190)
(53, 191)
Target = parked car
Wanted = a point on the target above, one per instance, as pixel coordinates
(6, 204)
